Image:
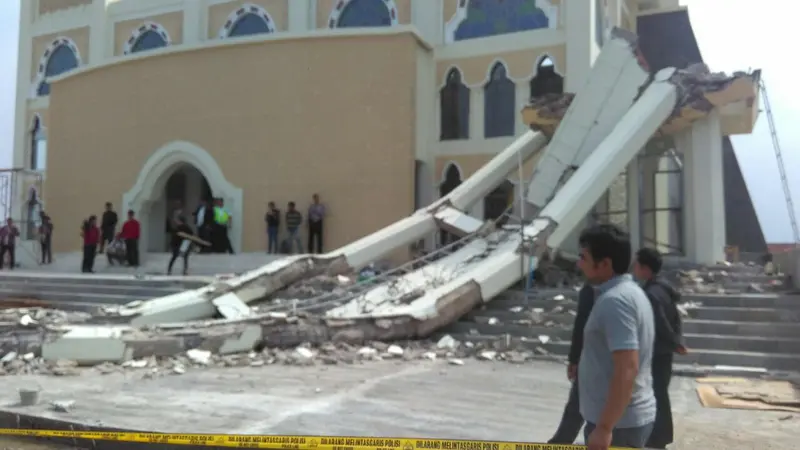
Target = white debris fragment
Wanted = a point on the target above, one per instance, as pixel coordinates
(26, 320)
(544, 339)
(431, 356)
(493, 321)
(135, 363)
(558, 297)
(62, 406)
(395, 350)
(343, 280)
(455, 362)
(28, 356)
(515, 309)
(197, 356)
(447, 342)
(10, 356)
(303, 353)
(277, 315)
(367, 352)
(488, 355)
(179, 369)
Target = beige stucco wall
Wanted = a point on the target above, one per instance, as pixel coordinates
(521, 64)
(325, 7)
(172, 22)
(40, 43)
(48, 6)
(277, 132)
(218, 14)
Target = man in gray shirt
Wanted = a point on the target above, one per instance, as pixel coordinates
(614, 375)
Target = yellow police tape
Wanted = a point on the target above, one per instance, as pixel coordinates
(290, 442)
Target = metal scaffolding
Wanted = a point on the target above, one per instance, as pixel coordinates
(21, 193)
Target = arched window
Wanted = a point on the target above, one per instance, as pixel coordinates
(250, 24)
(364, 13)
(38, 143)
(149, 40)
(62, 59)
(454, 100)
(499, 104)
(547, 80)
(485, 18)
(452, 179)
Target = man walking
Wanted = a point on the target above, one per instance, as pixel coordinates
(46, 238)
(664, 299)
(571, 419)
(8, 243)
(614, 378)
(131, 232)
(293, 221)
(273, 220)
(316, 213)
(108, 226)
(222, 222)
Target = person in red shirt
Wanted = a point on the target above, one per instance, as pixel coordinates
(91, 237)
(131, 231)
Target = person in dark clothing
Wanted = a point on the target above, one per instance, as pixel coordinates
(108, 226)
(664, 299)
(130, 233)
(316, 216)
(293, 221)
(180, 245)
(273, 220)
(46, 238)
(91, 237)
(8, 243)
(571, 420)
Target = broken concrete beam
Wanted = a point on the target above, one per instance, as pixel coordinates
(457, 222)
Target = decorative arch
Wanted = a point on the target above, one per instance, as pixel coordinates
(341, 8)
(246, 12)
(37, 138)
(148, 30)
(451, 168)
(56, 48)
(481, 18)
(499, 102)
(164, 162)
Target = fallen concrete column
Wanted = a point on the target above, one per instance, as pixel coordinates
(457, 222)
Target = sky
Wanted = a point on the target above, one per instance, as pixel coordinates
(733, 35)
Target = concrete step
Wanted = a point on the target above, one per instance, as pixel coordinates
(736, 328)
(778, 315)
(57, 297)
(74, 288)
(696, 356)
(548, 300)
(94, 279)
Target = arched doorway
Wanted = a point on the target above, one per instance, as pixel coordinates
(184, 191)
(450, 181)
(183, 171)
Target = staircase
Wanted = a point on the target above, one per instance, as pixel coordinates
(743, 330)
(79, 292)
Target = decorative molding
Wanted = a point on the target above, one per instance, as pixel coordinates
(338, 8)
(244, 10)
(146, 27)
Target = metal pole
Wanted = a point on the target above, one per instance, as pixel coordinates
(521, 188)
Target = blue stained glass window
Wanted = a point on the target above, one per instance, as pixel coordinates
(248, 25)
(61, 60)
(499, 104)
(149, 40)
(493, 17)
(454, 106)
(365, 13)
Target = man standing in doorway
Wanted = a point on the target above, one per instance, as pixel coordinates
(273, 220)
(293, 221)
(8, 243)
(614, 380)
(108, 226)
(664, 299)
(131, 232)
(46, 238)
(316, 213)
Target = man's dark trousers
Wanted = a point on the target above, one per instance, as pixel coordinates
(662, 434)
(314, 232)
(571, 421)
(132, 252)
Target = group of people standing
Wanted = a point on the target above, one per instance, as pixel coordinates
(620, 360)
(105, 236)
(294, 220)
(213, 222)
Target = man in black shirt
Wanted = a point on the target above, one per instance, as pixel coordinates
(571, 420)
(273, 220)
(664, 299)
(108, 226)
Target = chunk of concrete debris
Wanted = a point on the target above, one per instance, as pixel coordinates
(10, 356)
(200, 357)
(367, 352)
(136, 363)
(447, 342)
(431, 356)
(26, 320)
(303, 353)
(493, 321)
(558, 297)
(62, 406)
(544, 339)
(455, 362)
(515, 309)
(487, 355)
(230, 306)
(395, 350)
